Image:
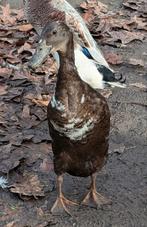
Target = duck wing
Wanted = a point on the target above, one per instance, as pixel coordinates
(80, 30)
(88, 45)
(40, 12)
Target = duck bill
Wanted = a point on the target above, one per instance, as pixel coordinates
(40, 55)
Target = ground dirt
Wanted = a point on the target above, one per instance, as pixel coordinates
(124, 177)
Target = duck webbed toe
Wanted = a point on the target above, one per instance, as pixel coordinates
(61, 202)
(93, 198)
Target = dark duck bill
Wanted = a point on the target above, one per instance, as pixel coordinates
(79, 121)
(41, 54)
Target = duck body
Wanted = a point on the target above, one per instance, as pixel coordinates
(40, 12)
(78, 118)
(79, 122)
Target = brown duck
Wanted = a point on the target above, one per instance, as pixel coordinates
(78, 117)
(86, 50)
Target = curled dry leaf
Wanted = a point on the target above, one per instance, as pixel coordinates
(136, 62)
(29, 185)
(139, 5)
(106, 93)
(5, 72)
(39, 112)
(26, 112)
(3, 89)
(113, 58)
(112, 27)
(19, 13)
(15, 223)
(141, 23)
(25, 47)
(139, 85)
(37, 151)
(13, 60)
(92, 8)
(42, 102)
(9, 158)
(125, 36)
(95, 5)
(19, 75)
(24, 27)
(6, 15)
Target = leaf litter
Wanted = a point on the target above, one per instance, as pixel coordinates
(28, 186)
(26, 156)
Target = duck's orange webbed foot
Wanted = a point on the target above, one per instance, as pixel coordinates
(61, 202)
(93, 198)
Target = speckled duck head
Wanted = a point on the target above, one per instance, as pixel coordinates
(54, 37)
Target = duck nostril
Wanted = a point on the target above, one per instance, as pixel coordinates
(54, 32)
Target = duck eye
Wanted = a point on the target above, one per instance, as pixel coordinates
(54, 32)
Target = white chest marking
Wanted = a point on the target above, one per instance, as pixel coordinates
(82, 99)
(57, 104)
(3, 182)
(72, 132)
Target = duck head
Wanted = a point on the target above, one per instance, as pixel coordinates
(54, 37)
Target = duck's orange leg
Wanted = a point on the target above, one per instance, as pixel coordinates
(93, 198)
(61, 201)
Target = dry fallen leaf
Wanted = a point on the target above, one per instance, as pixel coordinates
(139, 5)
(112, 27)
(113, 58)
(139, 85)
(106, 93)
(29, 185)
(97, 6)
(6, 15)
(13, 59)
(5, 72)
(11, 224)
(19, 75)
(3, 89)
(26, 112)
(92, 8)
(9, 158)
(24, 27)
(125, 36)
(136, 62)
(25, 47)
(141, 23)
(19, 13)
(40, 102)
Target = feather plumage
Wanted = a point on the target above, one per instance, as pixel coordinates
(78, 117)
(41, 11)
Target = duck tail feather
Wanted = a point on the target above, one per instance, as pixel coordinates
(111, 78)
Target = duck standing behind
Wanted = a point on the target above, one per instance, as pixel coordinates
(86, 50)
(79, 120)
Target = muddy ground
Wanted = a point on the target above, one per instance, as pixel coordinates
(123, 179)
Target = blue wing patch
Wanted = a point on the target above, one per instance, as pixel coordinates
(86, 53)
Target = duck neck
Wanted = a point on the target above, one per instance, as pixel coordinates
(67, 60)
